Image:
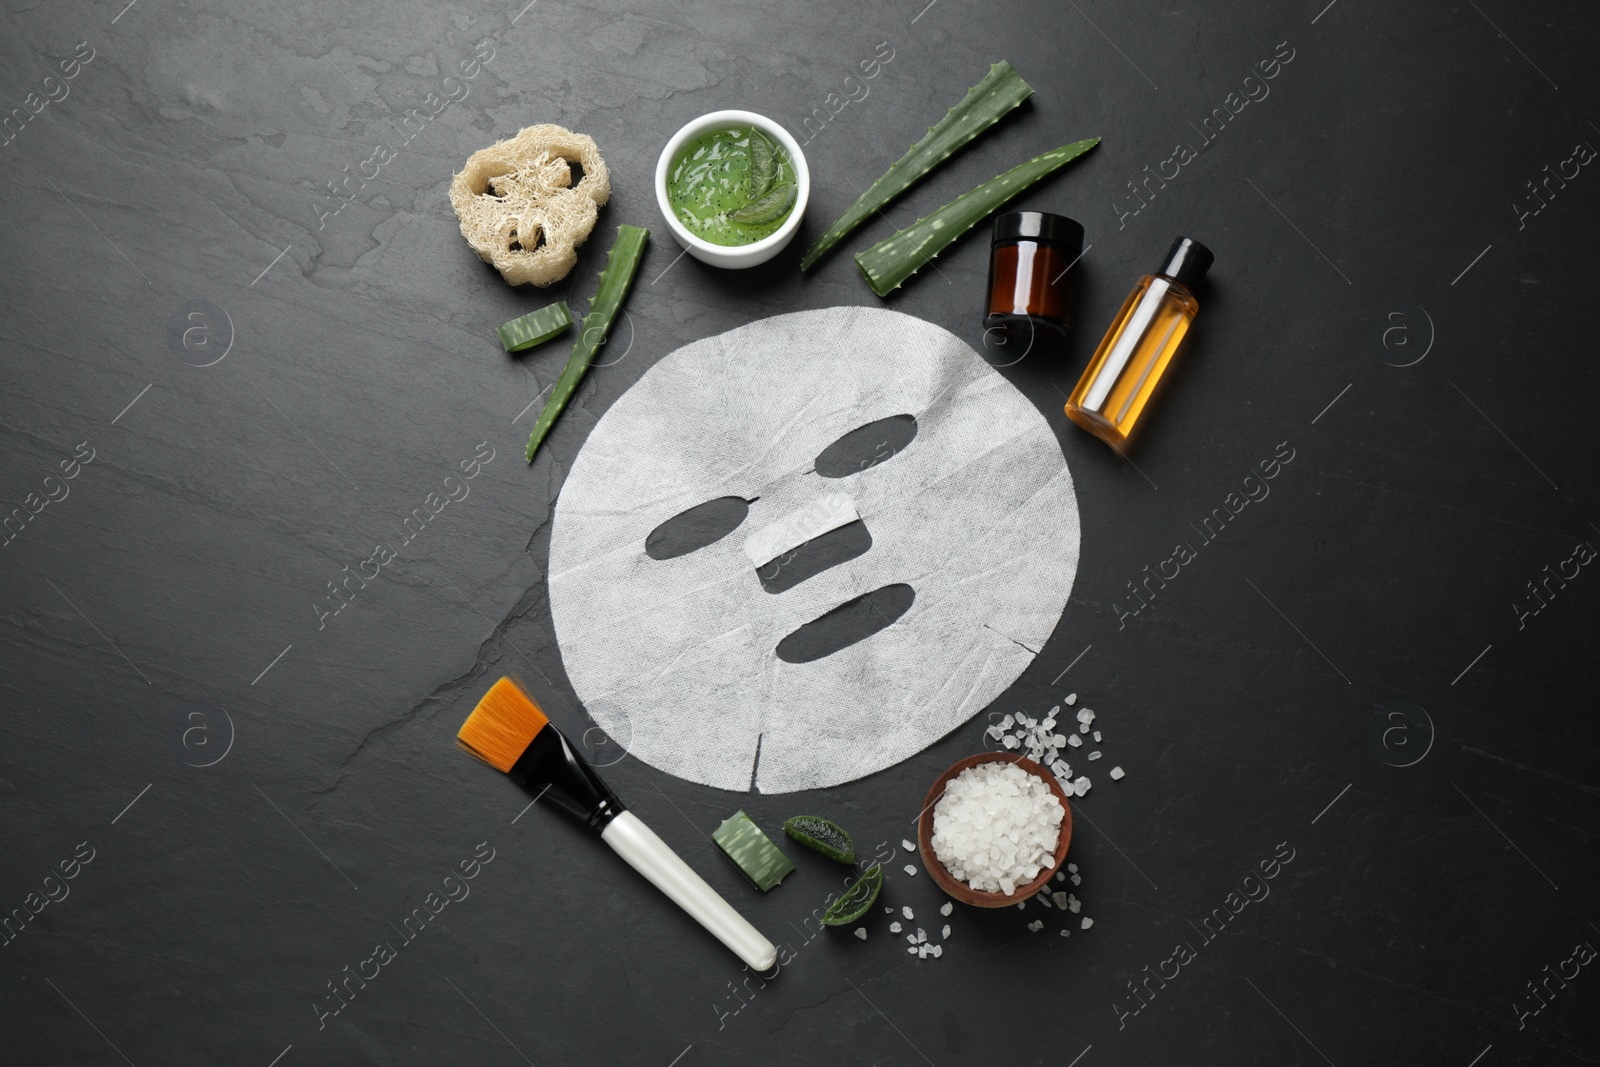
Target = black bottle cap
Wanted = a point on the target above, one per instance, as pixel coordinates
(1187, 261)
(1039, 226)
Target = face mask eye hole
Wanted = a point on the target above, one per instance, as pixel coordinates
(850, 622)
(867, 446)
(699, 526)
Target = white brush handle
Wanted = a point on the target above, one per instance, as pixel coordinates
(652, 857)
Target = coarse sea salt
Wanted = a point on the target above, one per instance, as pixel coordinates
(862, 934)
(1117, 774)
(996, 827)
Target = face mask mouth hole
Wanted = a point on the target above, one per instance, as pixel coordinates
(848, 624)
(815, 556)
(699, 526)
(867, 446)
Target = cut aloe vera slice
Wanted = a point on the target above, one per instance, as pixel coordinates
(891, 261)
(770, 208)
(536, 327)
(826, 837)
(621, 264)
(763, 165)
(752, 851)
(985, 104)
(856, 900)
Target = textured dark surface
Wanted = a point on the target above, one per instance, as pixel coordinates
(166, 605)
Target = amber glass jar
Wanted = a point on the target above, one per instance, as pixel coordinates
(1033, 274)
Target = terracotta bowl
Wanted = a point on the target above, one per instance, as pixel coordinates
(959, 890)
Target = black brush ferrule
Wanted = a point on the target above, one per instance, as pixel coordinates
(551, 769)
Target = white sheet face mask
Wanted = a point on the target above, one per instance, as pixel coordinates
(973, 529)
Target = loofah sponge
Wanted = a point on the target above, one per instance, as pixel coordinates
(519, 209)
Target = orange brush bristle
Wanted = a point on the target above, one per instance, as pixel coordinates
(502, 726)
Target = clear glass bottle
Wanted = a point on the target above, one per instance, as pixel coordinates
(1138, 349)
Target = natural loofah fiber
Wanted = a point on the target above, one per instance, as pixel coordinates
(519, 209)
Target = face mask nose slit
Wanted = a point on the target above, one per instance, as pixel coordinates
(783, 573)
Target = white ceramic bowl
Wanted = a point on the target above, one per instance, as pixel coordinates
(734, 256)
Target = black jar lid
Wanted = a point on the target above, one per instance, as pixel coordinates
(1040, 226)
(1187, 261)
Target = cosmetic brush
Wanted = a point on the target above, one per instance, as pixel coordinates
(509, 733)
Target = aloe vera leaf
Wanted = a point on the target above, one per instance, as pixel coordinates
(828, 838)
(621, 264)
(891, 261)
(856, 900)
(775, 205)
(536, 327)
(763, 165)
(984, 105)
(752, 851)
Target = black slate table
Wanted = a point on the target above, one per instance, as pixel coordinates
(1377, 680)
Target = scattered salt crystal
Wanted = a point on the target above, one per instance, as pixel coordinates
(1036, 925)
(1010, 742)
(922, 951)
(1085, 716)
(1097, 737)
(861, 933)
(1061, 876)
(1077, 879)
(1081, 785)
(1083, 728)
(1007, 722)
(1074, 905)
(888, 911)
(1087, 922)
(1049, 722)
(1074, 740)
(894, 928)
(947, 908)
(912, 870)
(1021, 904)
(911, 938)
(922, 935)
(1066, 933)
(938, 950)
(906, 911)
(1117, 774)
(907, 845)
(1072, 698)
(1072, 867)
(945, 933)
(1095, 754)
(912, 951)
